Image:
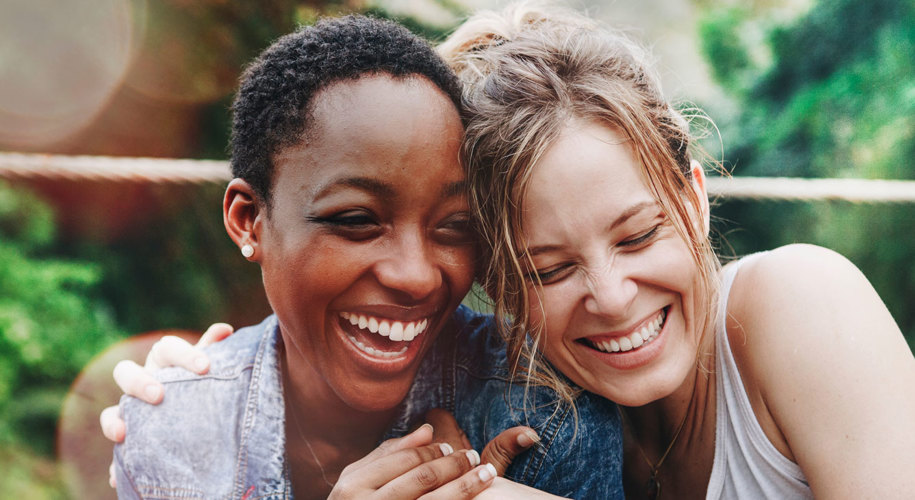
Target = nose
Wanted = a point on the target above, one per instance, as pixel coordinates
(410, 269)
(611, 291)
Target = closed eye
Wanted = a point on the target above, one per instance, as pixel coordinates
(354, 225)
(642, 239)
(456, 230)
(550, 275)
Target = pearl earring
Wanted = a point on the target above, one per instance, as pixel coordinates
(247, 250)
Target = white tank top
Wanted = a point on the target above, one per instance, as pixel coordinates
(746, 464)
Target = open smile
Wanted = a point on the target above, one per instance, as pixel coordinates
(380, 337)
(642, 336)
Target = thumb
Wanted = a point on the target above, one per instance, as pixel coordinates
(503, 449)
(447, 429)
(419, 437)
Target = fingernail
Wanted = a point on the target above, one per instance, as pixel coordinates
(474, 458)
(152, 392)
(446, 449)
(200, 364)
(486, 472)
(425, 425)
(528, 438)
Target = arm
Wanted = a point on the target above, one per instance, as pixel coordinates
(138, 381)
(829, 374)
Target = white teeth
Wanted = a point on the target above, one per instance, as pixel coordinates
(636, 339)
(645, 333)
(397, 331)
(409, 332)
(371, 351)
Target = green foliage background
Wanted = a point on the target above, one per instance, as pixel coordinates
(52, 320)
(828, 94)
(831, 95)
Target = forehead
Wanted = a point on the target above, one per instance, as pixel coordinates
(589, 165)
(384, 107)
(399, 130)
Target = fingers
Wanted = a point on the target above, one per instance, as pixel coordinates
(112, 477)
(507, 445)
(467, 486)
(369, 475)
(422, 474)
(175, 351)
(215, 333)
(447, 429)
(137, 382)
(420, 437)
(112, 426)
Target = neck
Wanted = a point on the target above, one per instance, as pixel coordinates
(323, 433)
(683, 421)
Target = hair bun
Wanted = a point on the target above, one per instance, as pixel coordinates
(466, 50)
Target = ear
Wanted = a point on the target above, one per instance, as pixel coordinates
(698, 183)
(243, 216)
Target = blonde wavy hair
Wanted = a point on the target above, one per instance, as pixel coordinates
(527, 71)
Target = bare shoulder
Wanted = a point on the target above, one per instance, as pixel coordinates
(826, 367)
(804, 304)
(798, 286)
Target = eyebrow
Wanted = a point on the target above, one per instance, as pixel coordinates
(452, 189)
(383, 189)
(626, 215)
(368, 184)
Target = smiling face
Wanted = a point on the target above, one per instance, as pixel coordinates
(366, 249)
(616, 306)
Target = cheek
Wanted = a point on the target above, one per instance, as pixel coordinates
(459, 264)
(305, 273)
(550, 311)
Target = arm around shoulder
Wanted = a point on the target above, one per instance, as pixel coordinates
(831, 369)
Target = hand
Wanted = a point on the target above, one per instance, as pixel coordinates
(414, 467)
(137, 381)
(500, 452)
(503, 489)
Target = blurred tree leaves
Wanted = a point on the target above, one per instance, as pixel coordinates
(829, 94)
(50, 322)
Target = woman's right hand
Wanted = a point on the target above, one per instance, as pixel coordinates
(138, 381)
(414, 467)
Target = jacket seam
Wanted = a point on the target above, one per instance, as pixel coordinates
(251, 405)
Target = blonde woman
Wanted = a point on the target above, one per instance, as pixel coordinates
(781, 375)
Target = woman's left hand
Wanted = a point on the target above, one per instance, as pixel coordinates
(414, 467)
(503, 489)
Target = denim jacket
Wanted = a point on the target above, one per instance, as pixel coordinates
(221, 435)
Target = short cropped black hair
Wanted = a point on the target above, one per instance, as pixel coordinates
(271, 110)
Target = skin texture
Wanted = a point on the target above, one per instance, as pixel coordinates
(828, 373)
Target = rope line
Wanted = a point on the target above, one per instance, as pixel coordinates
(157, 170)
(110, 168)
